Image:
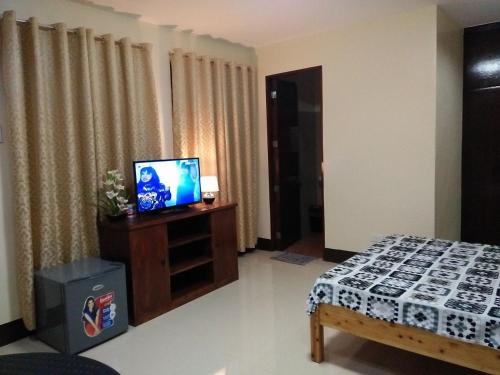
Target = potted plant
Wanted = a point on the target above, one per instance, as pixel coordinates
(113, 197)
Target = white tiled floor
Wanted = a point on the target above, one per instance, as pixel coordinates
(256, 326)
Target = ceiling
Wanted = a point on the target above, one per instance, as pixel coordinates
(256, 23)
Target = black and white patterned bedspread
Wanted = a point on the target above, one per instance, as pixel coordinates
(450, 288)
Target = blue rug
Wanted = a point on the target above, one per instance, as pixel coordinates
(293, 258)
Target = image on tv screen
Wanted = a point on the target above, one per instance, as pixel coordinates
(167, 183)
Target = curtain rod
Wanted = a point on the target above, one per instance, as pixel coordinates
(72, 31)
(212, 60)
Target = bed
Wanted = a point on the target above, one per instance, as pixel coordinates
(433, 297)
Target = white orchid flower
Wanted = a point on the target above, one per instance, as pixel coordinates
(111, 194)
(122, 200)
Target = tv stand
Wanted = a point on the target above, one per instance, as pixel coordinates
(172, 259)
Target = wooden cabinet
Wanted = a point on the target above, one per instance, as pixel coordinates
(172, 258)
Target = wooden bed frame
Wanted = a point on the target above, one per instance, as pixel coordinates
(416, 340)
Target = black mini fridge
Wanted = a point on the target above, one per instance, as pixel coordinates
(81, 304)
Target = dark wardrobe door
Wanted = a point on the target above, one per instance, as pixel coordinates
(481, 135)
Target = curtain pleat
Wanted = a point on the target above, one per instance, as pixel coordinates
(83, 137)
(130, 96)
(214, 118)
(206, 118)
(220, 126)
(148, 142)
(76, 107)
(15, 94)
(193, 101)
(253, 148)
(113, 109)
(64, 151)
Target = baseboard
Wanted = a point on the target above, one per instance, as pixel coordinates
(263, 244)
(336, 255)
(248, 250)
(13, 331)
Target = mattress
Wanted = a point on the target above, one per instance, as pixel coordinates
(449, 288)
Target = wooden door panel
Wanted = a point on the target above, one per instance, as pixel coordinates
(481, 137)
(151, 281)
(286, 173)
(224, 245)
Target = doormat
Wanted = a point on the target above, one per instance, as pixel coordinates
(293, 258)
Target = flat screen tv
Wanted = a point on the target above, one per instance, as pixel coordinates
(166, 184)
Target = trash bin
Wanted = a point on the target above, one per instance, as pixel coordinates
(81, 304)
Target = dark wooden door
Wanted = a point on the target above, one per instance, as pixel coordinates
(284, 162)
(481, 136)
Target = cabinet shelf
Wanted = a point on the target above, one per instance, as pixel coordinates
(189, 264)
(191, 291)
(188, 239)
(188, 283)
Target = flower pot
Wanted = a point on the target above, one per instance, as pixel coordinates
(116, 217)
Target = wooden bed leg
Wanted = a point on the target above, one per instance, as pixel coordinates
(317, 341)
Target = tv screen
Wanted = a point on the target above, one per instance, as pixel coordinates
(162, 184)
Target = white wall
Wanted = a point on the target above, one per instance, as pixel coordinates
(379, 125)
(448, 127)
(102, 21)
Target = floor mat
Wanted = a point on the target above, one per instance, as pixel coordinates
(312, 244)
(293, 258)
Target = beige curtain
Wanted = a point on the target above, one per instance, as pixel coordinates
(214, 117)
(76, 107)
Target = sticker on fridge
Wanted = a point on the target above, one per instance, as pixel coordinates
(98, 314)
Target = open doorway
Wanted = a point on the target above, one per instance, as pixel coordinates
(295, 151)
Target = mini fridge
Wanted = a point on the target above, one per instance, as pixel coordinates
(81, 304)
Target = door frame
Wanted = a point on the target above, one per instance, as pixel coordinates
(272, 129)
